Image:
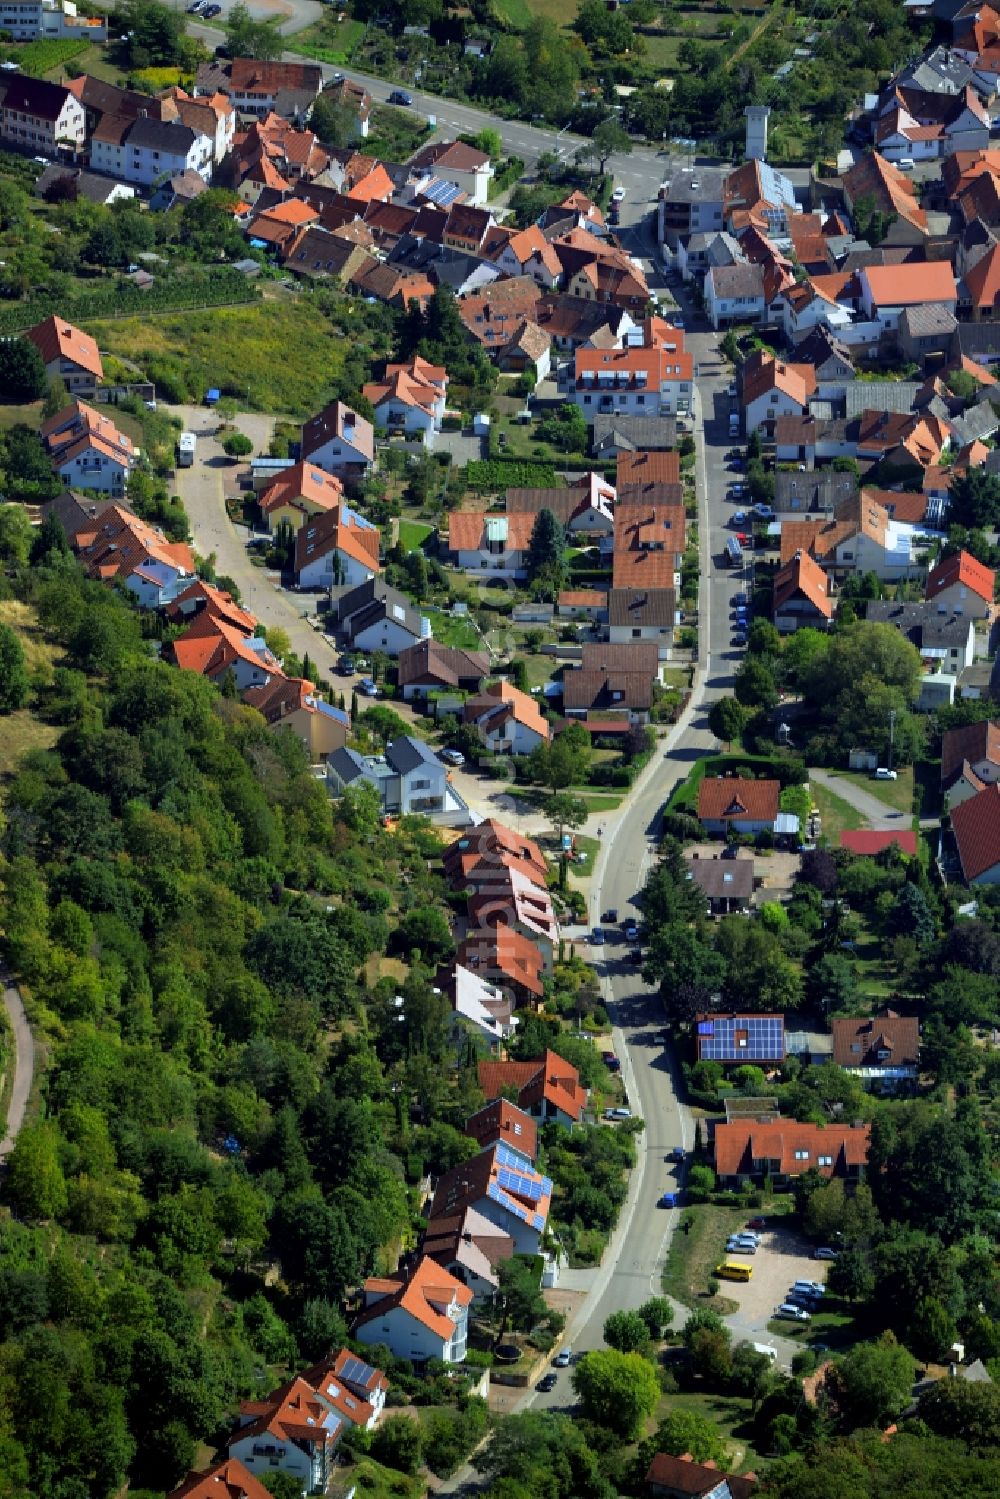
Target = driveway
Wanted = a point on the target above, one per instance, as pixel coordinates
(23, 1062)
(877, 814)
(782, 1257)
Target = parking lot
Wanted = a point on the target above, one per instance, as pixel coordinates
(782, 1257)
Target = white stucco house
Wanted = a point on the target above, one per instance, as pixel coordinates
(420, 1315)
(468, 168)
(147, 150)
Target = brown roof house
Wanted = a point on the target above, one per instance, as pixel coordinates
(466, 167)
(970, 760)
(504, 1187)
(882, 1050)
(726, 884)
(509, 720)
(503, 1123)
(672, 1477)
(976, 826)
(445, 673)
(341, 442)
(748, 1150)
(291, 702)
(507, 959)
(469, 1247)
(736, 804)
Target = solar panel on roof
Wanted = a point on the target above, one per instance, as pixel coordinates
(706, 1027)
(357, 1371)
(742, 1038)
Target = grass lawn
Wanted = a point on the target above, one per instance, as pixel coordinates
(22, 731)
(588, 846)
(732, 1416)
(413, 534)
(267, 352)
(540, 669)
(877, 978)
(520, 13)
(897, 794)
(451, 631)
(394, 134)
(835, 1327)
(30, 413)
(837, 814)
(694, 1255)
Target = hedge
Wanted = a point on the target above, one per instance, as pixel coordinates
(217, 288)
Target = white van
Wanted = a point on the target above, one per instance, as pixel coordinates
(769, 1353)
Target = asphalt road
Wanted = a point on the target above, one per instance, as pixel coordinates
(23, 1062)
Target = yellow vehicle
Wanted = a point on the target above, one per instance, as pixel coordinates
(734, 1270)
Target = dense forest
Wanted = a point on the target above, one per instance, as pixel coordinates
(222, 1088)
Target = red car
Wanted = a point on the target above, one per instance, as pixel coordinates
(756, 1223)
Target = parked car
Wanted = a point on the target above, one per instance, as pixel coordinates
(668, 1200)
(752, 1241)
(563, 1358)
(546, 1383)
(740, 637)
(736, 1246)
(368, 687)
(597, 938)
(452, 757)
(756, 1223)
(618, 1114)
(738, 518)
(824, 1253)
(811, 1287)
(631, 931)
(764, 511)
(618, 196)
(738, 600)
(636, 958)
(789, 1313)
(211, 11)
(345, 666)
(610, 915)
(400, 96)
(883, 774)
(799, 1298)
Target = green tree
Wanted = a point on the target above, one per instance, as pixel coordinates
(14, 681)
(831, 982)
(658, 1314)
(755, 684)
(519, 1283)
(911, 916)
(16, 532)
(22, 371)
(626, 1331)
(609, 139)
(397, 1444)
(564, 810)
(154, 31)
(727, 718)
(491, 142)
(617, 1390)
(932, 1330)
(335, 122)
(246, 37)
(546, 561)
(872, 1384)
(964, 1412)
(237, 445)
(35, 1181)
(683, 1431)
(426, 928)
(974, 500)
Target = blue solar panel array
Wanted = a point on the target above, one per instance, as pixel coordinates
(356, 1371)
(762, 1038)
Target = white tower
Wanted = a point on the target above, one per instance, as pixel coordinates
(757, 117)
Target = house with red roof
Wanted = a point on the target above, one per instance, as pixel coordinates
(801, 595)
(418, 1314)
(509, 721)
(297, 1427)
(491, 545)
(507, 959)
(503, 1123)
(293, 703)
(484, 851)
(410, 398)
(748, 1150)
(299, 494)
(87, 449)
(200, 597)
(548, 1088)
(654, 378)
(117, 545)
(511, 897)
(226, 1480)
(216, 649)
(337, 547)
(887, 289)
(976, 826)
(470, 1247)
(962, 585)
(69, 354)
(736, 804)
(772, 388)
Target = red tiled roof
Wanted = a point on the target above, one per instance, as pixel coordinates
(976, 825)
(56, 339)
(682, 1475)
(870, 841)
(505, 951)
(226, 1480)
(547, 1077)
(738, 798)
(503, 1122)
(427, 1287)
(795, 1147)
(913, 284)
(649, 468)
(801, 574)
(964, 569)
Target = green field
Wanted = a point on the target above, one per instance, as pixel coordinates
(330, 40)
(837, 814)
(451, 631)
(897, 794)
(275, 356)
(520, 13)
(47, 55)
(413, 534)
